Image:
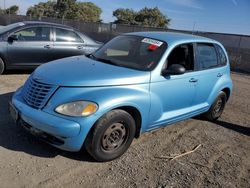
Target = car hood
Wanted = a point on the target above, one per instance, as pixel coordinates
(83, 71)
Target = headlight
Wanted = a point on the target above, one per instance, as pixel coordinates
(77, 108)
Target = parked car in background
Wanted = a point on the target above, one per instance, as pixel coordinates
(29, 44)
(135, 83)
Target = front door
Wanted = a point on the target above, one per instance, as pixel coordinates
(32, 47)
(172, 96)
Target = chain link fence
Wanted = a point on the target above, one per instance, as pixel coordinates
(238, 46)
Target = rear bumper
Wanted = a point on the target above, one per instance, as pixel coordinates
(57, 131)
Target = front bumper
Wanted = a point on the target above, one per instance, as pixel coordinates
(40, 134)
(68, 132)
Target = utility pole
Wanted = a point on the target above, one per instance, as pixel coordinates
(193, 27)
(4, 7)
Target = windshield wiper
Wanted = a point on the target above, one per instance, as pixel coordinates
(106, 61)
(101, 59)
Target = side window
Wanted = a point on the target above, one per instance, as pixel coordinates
(221, 56)
(183, 55)
(206, 56)
(63, 35)
(34, 34)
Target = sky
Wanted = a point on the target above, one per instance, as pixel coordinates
(224, 16)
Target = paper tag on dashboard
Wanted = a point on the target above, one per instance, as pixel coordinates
(152, 41)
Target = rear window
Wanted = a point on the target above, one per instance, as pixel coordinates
(207, 56)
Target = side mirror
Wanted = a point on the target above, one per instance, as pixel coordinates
(174, 69)
(12, 38)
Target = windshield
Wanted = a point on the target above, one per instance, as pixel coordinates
(10, 27)
(134, 52)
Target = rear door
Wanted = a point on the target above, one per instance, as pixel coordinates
(67, 43)
(32, 48)
(210, 71)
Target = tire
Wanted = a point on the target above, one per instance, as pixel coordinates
(111, 136)
(217, 107)
(2, 66)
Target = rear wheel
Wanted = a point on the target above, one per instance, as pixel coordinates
(217, 107)
(2, 66)
(112, 135)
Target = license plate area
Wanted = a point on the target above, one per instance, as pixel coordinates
(13, 112)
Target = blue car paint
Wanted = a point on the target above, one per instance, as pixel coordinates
(82, 71)
(46, 121)
(111, 87)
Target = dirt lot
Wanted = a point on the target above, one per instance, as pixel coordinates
(223, 160)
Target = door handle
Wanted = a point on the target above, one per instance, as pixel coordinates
(79, 47)
(193, 80)
(219, 75)
(47, 46)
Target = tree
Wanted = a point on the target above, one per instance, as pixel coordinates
(66, 9)
(12, 10)
(41, 10)
(149, 17)
(88, 11)
(125, 16)
(62, 7)
(152, 17)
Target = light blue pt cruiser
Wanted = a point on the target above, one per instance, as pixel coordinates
(135, 83)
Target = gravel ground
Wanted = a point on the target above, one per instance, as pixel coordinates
(223, 160)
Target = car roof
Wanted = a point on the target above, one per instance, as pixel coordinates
(173, 37)
(45, 23)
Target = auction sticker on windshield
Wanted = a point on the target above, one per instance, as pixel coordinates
(152, 41)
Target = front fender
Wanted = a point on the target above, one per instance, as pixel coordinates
(107, 98)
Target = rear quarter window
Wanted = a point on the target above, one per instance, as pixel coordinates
(63, 35)
(221, 55)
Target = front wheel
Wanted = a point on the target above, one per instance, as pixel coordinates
(111, 136)
(217, 107)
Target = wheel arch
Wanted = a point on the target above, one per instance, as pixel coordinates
(224, 84)
(4, 62)
(227, 91)
(135, 113)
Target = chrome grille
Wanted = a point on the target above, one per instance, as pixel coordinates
(36, 94)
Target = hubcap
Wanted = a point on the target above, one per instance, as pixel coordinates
(218, 106)
(114, 137)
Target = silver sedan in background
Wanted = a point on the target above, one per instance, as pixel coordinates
(26, 45)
